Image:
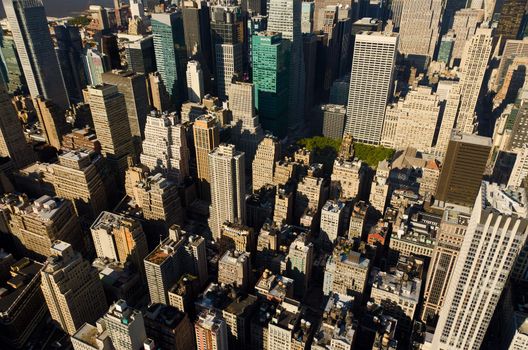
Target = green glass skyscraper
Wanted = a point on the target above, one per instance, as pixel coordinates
(170, 52)
(271, 81)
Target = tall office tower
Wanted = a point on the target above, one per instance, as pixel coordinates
(449, 115)
(320, 5)
(285, 18)
(310, 68)
(270, 78)
(227, 36)
(165, 147)
(99, 17)
(379, 191)
(268, 153)
(246, 132)
(369, 93)
(112, 126)
(346, 271)
(307, 16)
(195, 81)
(52, 121)
(169, 327)
(206, 138)
(465, 23)
(196, 21)
(445, 48)
(95, 64)
(234, 268)
(411, 122)
(159, 201)
(450, 236)
(463, 168)
(170, 52)
(419, 30)
(177, 255)
(255, 24)
(311, 194)
(332, 219)
(69, 52)
(158, 96)
(72, 289)
(109, 47)
(140, 55)
(125, 326)
(27, 19)
(119, 238)
(298, 264)
(137, 9)
(36, 225)
(495, 235)
(511, 16)
(80, 176)
(228, 187)
(473, 67)
(12, 140)
(134, 88)
(11, 71)
(339, 91)
(211, 331)
(334, 118)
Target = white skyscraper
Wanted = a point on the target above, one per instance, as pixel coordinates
(473, 67)
(27, 19)
(495, 235)
(137, 9)
(284, 16)
(165, 147)
(370, 84)
(419, 27)
(228, 191)
(195, 82)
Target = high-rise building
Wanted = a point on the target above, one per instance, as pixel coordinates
(168, 327)
(125, 326)
(158, 96)
(196, 21)
(228, 187)
(234, 268)
(69, 52)
(449, 241)
(134, 88)
(195, 81)
(369, 93)
(298, 264)
(27, 19)
(140, 55)
(72, 290)
(464, 166)
(36, 225)
(465, 22)
(206, 138)
(52, 121)
(12, 141)
(165, 147)
(169, 47)
(10, 70)
(268, 153)
(332, 220)
(419, 29)
(227, 35)
(495, 235)
(210, 331)
(307, 16)
(137, 9)
(119, 238)
(99, 16)
(334, 118)
(285, 18)
(112, 126)
(510, 20)
(473, 67)
(348, 178)
(270, 77)
(451, 106)
(109, 47)
(95, 64)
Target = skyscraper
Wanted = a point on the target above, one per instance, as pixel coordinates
(69, 52)
(95, 64)
(195, 81)
(228, 191)
(71, 288)
(29, 26)
(268, 153)
(211, 332)
(271, 82)
(52, 121)
(169, 47)
(12, 141)
(112, 126)
(285, 18)
(206, 138)
(140, 55)
(419, 29)
(464, 166)
(165, 147)
(511, 16)
(370, 84)
(125, 326)
(495, 235)
(473, 67)
(227, 33)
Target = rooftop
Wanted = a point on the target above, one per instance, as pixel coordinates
(23, 273)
